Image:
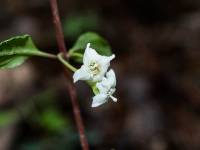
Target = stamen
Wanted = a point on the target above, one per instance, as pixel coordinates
(94, 68)
(113, 98)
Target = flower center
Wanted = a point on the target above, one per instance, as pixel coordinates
(94, 68)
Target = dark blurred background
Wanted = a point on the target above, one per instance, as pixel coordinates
(157, 65)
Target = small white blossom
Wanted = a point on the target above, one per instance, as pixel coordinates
(106, 89)
(94, 66)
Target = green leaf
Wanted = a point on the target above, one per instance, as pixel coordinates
(52, 120)
(7, 118)
(97, 42)
(16, 50)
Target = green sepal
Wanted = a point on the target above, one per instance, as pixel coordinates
(93, 86)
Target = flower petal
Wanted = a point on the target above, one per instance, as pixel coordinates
(107, 82)
(81, 74)
(102, 88)
(111, 77)
(99, 76)
(99, 100)
(90, 55)
(105, 60)
(104, 63)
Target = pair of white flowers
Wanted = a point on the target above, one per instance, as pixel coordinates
(94, 69)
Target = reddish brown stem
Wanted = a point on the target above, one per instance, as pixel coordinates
(58, 27)
(76, 110)
(70, 85)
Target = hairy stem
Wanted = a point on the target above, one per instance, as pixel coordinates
(71, 87)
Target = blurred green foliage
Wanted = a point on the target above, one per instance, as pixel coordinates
(52, 120)
(8, 117)
(76, 24)
(45, 124)
(46, 114)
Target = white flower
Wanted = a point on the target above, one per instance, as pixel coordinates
(106, 89)
(94, 66)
